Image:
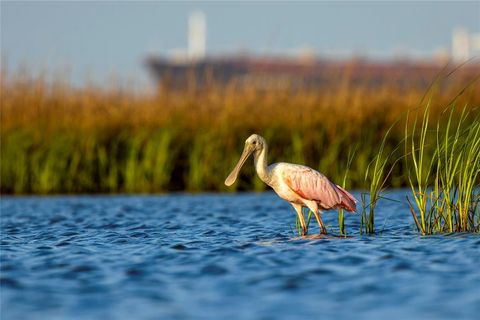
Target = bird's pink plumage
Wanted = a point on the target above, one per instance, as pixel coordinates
(312, 185)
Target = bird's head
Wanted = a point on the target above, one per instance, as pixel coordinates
(254, 144)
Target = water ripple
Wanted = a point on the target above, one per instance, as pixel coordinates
(223, 256)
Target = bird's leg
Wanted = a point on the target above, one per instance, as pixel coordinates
(298, 209)
(313, 206)
(320, 223)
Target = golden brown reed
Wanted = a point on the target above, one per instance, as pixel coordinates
(57, 138)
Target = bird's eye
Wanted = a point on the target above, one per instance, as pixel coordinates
(254, 142)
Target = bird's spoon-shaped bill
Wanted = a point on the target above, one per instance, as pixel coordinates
(234, 174)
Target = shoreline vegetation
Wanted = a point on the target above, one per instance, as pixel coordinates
(59, 139)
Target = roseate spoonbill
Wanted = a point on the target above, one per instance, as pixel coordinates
(300, 185)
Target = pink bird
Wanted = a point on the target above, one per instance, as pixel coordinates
(300, 185)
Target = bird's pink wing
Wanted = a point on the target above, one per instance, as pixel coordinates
(312, 185)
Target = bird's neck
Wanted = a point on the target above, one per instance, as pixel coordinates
(260, 160)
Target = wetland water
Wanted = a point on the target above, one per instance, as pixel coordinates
(221, 256)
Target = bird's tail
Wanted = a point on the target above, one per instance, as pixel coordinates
(348, 201)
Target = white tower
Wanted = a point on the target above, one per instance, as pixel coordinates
(475, 44)
(460, 45)
(197, 35)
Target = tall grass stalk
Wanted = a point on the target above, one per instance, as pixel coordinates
(341, 212)
(376, 177)
(467, 179)
(422, 167)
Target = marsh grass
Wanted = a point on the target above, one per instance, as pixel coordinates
(60, 139)
(442, 165)
(444, 185)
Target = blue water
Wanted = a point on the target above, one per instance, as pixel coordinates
(224, 256)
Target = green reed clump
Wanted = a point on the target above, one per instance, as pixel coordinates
(70, 162)
(444, 183)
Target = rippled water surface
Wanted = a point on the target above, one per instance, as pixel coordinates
(224, 256)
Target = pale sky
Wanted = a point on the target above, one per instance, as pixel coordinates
(97, 38)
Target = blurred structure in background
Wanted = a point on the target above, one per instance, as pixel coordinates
(197, 36)
(193, 68)
(465, 45)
